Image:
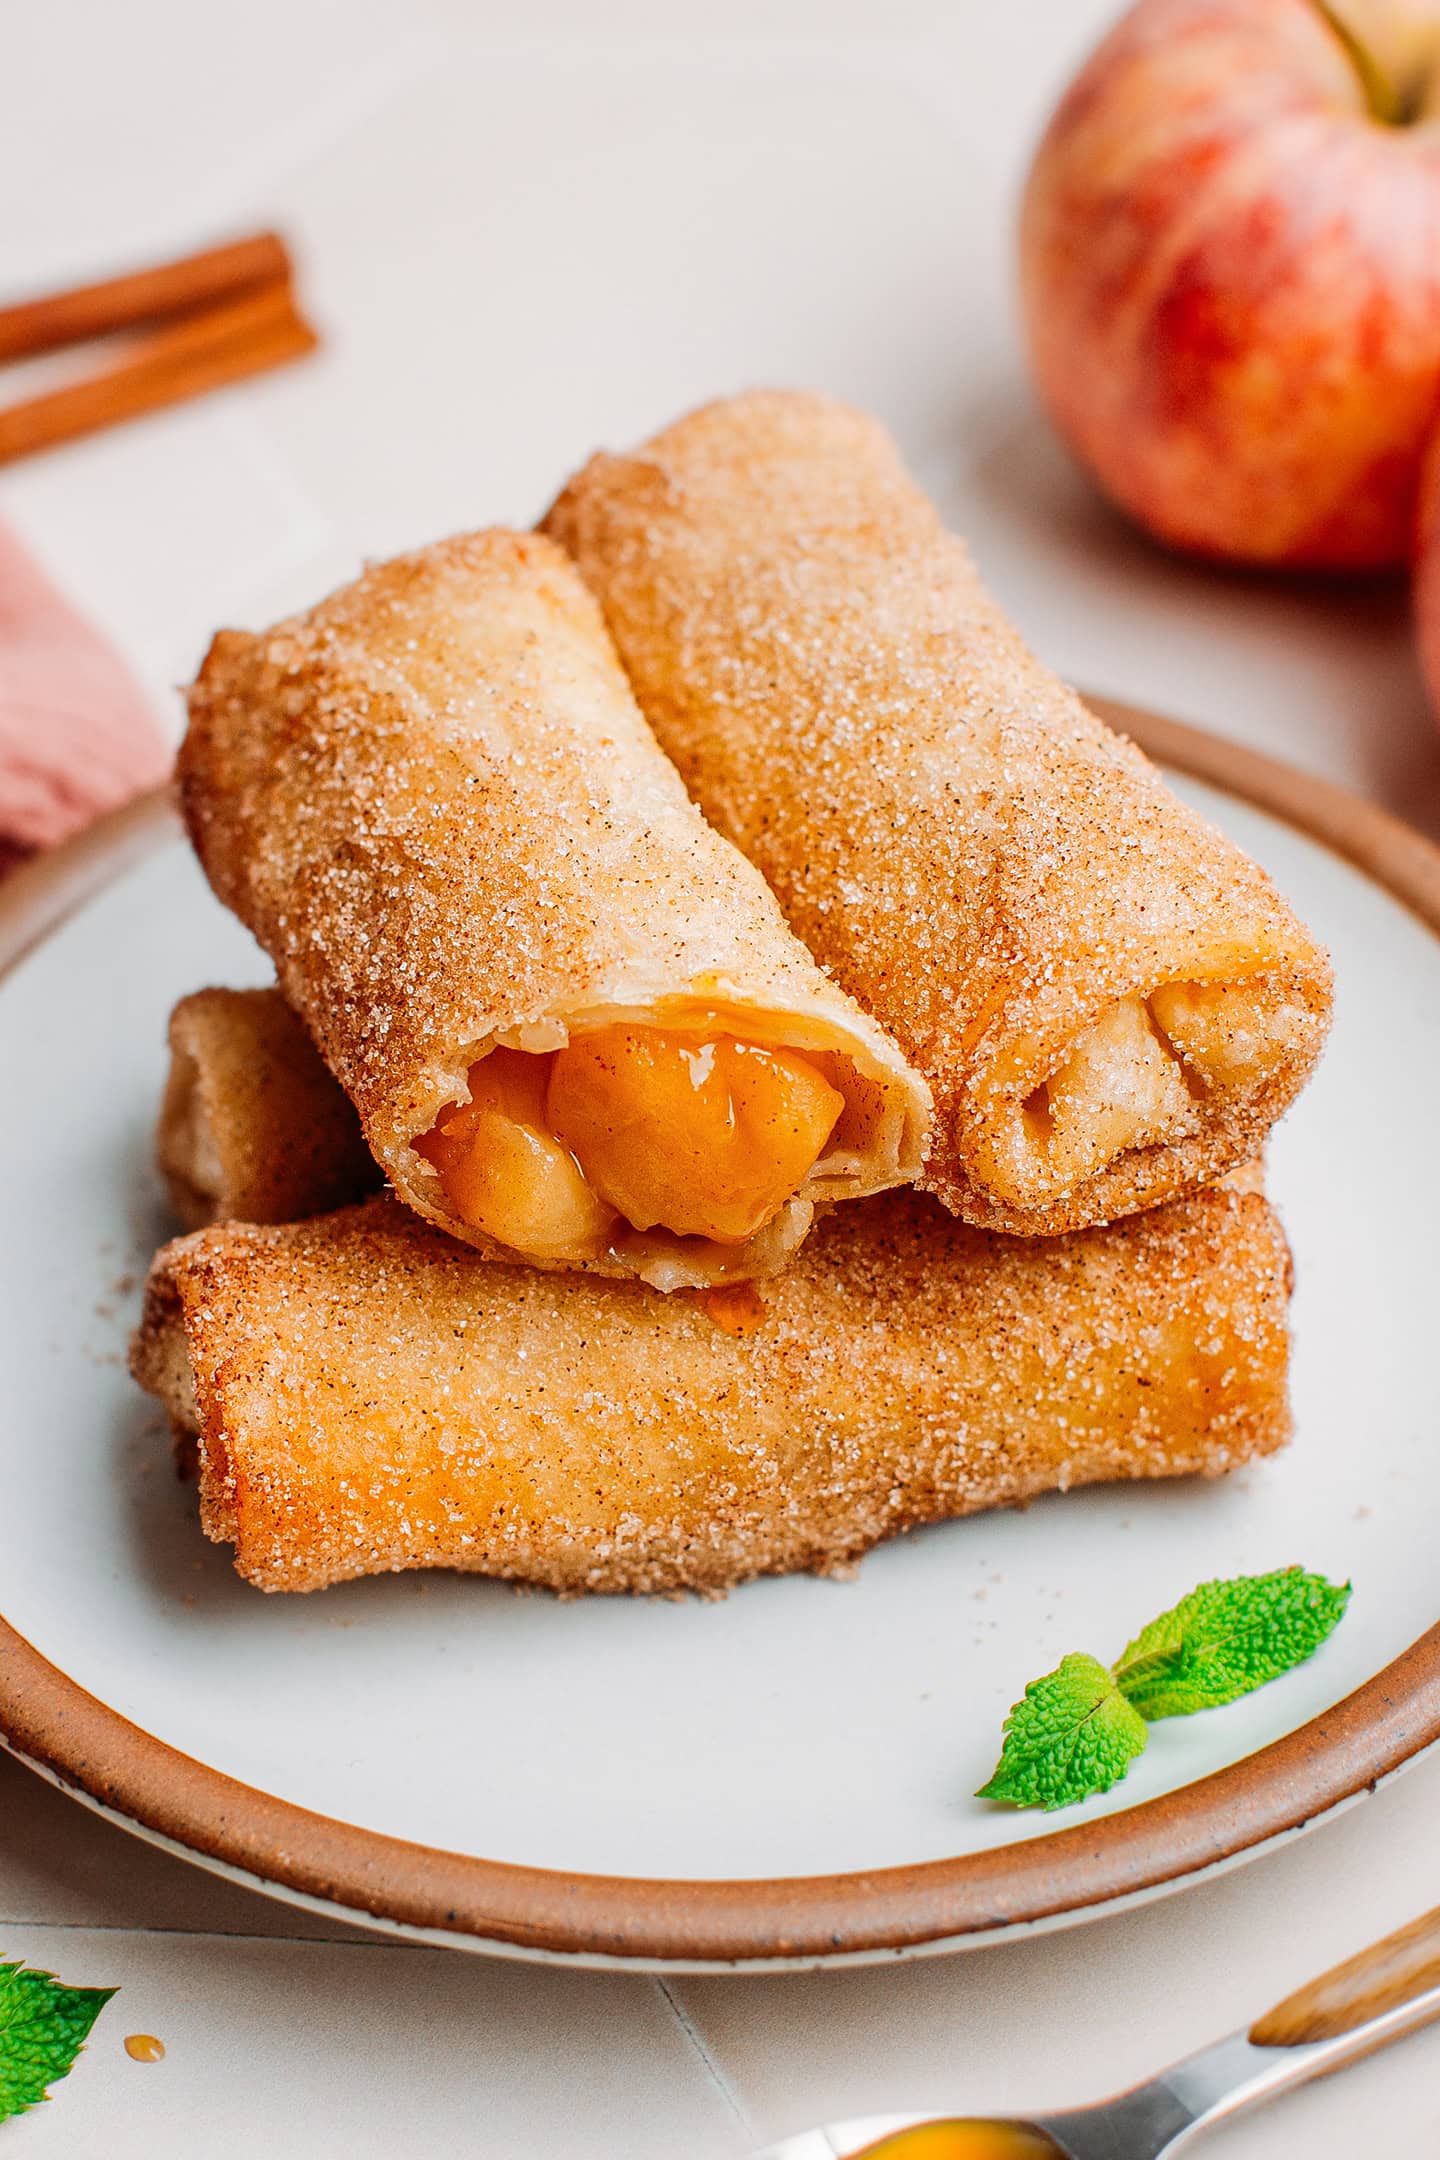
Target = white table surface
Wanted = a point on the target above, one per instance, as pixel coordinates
(527, 232)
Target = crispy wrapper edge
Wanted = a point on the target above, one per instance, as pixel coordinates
(252, 1127)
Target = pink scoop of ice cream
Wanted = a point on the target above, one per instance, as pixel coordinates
(76, 733)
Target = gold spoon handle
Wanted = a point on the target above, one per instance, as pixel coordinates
(1383, 1978)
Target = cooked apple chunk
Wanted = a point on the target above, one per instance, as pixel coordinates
(1141, 1076)
(700, 1134)
(504, 1170)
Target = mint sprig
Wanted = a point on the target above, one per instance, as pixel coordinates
(1076, 1731)
(43, 2026)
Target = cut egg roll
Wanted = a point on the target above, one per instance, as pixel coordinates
(1110, 1001)
(252, 1126)
(361, 1394)
(570, 1016)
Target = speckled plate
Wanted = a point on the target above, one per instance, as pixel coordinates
(782, 1778)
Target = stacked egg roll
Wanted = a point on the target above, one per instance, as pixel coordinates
(610, 1331)
(252, 1126)
(365, 1394)
(570, 1016)
(1110, 1001)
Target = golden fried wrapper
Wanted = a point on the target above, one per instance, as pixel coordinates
(571, 1017)
(364, 1394)
(252, 1127)
(1111, 1002)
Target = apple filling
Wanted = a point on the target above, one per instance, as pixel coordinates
(1138, 1077)
(700, 1134)
(505, 1172)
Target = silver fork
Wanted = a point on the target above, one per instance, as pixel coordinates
(1382, 1994)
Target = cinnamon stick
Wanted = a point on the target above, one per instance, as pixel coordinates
(194, 282)
(260, 330)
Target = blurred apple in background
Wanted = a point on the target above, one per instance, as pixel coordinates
(1231, 271)
(1427, 571)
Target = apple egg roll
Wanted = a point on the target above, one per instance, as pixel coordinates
(570, 1016)
(1111, 1002)
(252, 1126)
(363, 1394)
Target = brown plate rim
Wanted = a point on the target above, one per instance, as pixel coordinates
(54, 1724)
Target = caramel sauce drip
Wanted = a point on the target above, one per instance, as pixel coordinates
(144, 2047)
(736, 1307)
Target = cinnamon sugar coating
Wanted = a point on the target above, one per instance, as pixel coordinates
(975, 857)
(434, 801)
(368, 1395)
(252, 1126)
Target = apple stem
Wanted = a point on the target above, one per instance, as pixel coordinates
(1381, 96)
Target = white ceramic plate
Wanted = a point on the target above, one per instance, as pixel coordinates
(782, 1777)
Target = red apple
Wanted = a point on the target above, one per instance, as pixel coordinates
(1426, 594)
(1231, 269)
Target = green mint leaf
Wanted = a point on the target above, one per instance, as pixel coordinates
(1226, 1638)
(43, 2026)
(1070, 1735)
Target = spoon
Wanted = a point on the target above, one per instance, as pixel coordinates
(1382, 1994)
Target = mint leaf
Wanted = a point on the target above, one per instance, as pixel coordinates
(1226, 1638)
(1077, 1731)
(1070, 1735)
(43, 2026)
